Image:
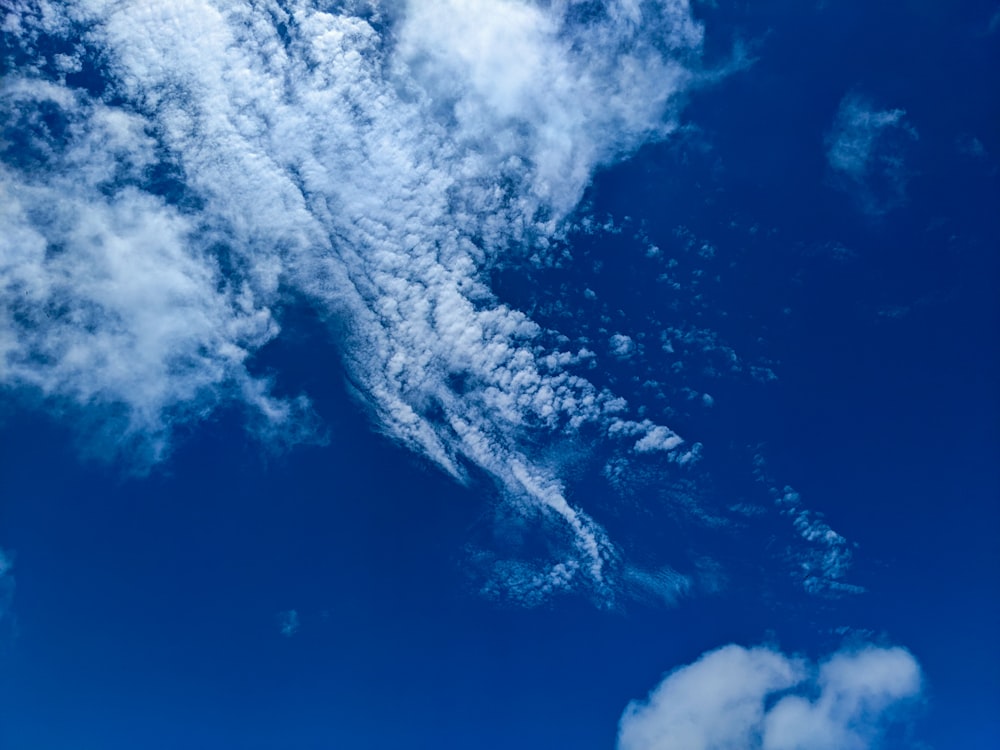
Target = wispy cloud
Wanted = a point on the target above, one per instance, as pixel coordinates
(174, 175)
(994, 22)
(6, 582)
(759, 698)
(866, 149)
(822, 558)
(664, 586)
(177, 172)
(288, 623)
(827, 556)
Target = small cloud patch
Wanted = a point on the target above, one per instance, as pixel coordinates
(6, 583)
(288, 622)
(865, 151)
(621, 346)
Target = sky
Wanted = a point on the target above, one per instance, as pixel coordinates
(499, 373)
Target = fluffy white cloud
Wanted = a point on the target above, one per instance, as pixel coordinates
(736, 698)
(217, 157)
(621, 346)
(108, 301)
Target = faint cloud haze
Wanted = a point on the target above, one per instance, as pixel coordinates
(6, 582)
(288, 623)
(865, 151)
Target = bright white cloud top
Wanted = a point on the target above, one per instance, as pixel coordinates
(761, 699)
(218, 158)
(173, 175)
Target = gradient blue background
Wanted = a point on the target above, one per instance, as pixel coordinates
(146, 609)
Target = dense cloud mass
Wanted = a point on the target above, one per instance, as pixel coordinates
(175, 172)
(760, 699)
(174, 175)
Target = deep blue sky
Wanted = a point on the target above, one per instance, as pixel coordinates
(148, 600)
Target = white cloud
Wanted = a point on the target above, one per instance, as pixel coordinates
(826, 557)
(621, 346)
(110, 299)
(653, 438)
(761, 699)
(822, 558)
(865, 151)
(659, 438)
(374, 162)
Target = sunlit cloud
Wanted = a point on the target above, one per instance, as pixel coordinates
(174, 175)
(761, 699)
(177, 172)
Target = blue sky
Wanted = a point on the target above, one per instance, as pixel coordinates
(494, 373)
